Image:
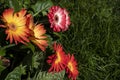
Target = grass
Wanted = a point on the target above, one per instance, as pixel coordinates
(94, 37)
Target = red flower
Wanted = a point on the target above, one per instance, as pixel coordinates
(71, 69)
(15, 24)
(59, 19)
(57, 60)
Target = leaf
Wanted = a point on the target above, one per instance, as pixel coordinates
(2, 52)
(41, 7)
(1, 68)
(15, 4)
(49, 76)
(50, 40)
(32, 60)
(16, 73)
(44, 13)
(35, 62)
(30, 46)
(3, 49)
(1, 1)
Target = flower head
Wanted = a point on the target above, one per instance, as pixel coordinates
(15, 24)
(37, 33)
(71, 69)
(59, 19)
(57, 60)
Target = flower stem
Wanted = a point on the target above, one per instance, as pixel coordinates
(7, 46)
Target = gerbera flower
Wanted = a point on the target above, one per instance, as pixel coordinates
(15, 24)
(58, 19)
(37, 33)
(57, 60)
(71, 69)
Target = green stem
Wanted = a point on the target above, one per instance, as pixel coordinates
(38, 12)
(28, 76)
(57, 34)
(11, 45)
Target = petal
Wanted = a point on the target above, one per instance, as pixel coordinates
(8, 15)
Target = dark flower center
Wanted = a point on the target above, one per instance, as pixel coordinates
(12, 27)
(56, 18)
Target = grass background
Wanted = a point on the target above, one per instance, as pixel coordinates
(93, 37)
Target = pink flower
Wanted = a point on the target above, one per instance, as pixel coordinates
(58, 18)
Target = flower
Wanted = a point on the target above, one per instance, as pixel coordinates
(71, 68)
(58, 19)
(15, 24)
(57, 60)
(37, 33)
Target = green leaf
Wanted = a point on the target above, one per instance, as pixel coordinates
(1, 1)
(1, 68)
(2, 52)
(16, 73)
(49, 76)
(41, 7)
(35, 62)
(50, 40)
(3, 49)
(15, 4)
(32, 60)
(44, 13)
(30, 46)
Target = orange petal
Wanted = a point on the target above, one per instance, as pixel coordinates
(8, 15)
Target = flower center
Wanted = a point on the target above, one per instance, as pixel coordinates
(58, 59)
(70, 66)
(12, 26)
(56, 18)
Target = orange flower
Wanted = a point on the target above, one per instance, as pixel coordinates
(71, 69)
(58, 60)
(15, 24)
(37, 33)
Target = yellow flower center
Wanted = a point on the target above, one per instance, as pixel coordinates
(70, 66)
(12, 26)
(58, 58)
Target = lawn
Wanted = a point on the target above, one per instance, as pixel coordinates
(94, 37)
